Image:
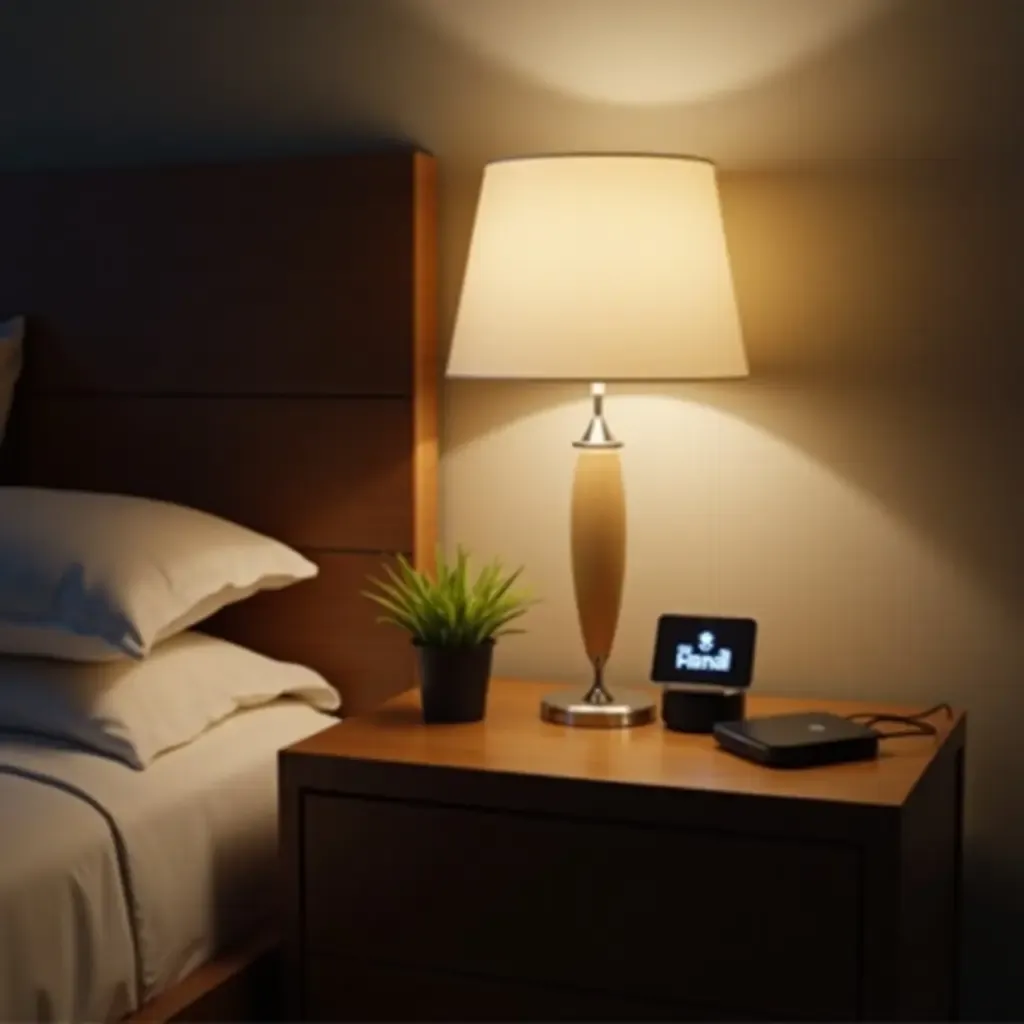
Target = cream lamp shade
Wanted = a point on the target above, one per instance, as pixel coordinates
(598, 268)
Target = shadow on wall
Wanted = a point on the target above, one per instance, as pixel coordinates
(890, 272)
(461, 76)
(895, 291)
(477, 79)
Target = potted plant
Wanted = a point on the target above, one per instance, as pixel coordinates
(454, 622)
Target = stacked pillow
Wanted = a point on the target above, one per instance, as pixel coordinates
(94, 577)
(104, 588)
(134, 711)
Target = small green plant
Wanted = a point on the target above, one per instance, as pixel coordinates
(450, 609)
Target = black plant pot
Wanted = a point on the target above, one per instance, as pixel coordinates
(454, 682)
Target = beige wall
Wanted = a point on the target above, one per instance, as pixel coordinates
(862, 494)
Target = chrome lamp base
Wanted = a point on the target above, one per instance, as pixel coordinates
(627, 708)
(597, 708)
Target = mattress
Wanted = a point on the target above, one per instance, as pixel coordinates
(115, 883)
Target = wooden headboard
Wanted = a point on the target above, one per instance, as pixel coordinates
(256, 340)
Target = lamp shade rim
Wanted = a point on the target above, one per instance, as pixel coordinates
(649, 378)
(691, 158)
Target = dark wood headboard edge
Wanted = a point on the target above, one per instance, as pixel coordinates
(426, 372)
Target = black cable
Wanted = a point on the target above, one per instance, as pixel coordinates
(920, 725)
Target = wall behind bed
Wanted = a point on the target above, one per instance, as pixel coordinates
(863, 494)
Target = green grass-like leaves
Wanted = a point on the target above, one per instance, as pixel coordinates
(451, 609)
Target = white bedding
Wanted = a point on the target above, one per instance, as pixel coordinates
(122, 882)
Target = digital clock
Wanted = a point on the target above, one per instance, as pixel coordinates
(704, 650)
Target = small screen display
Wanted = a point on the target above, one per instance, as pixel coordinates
(701, 649)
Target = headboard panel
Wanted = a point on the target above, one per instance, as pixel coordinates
(257, 340)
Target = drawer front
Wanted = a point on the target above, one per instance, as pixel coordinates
(338, 988)
(654, 913)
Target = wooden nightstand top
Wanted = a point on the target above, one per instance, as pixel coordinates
(514, 740)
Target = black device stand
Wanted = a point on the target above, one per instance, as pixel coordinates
(697, 709)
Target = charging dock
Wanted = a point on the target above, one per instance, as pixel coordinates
(698, 709)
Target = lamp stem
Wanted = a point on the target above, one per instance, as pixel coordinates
(598, 434)
(597, 694)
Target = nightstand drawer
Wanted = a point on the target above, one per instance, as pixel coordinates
(338, 988)
(601, 906)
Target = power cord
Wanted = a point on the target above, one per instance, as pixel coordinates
(920, 725)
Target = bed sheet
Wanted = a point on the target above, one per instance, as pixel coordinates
(115, 883)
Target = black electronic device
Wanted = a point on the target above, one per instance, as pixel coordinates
(705, 664)
(697, 709)
(704, 649)
(798, 741)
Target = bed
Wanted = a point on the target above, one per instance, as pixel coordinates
(255, 340)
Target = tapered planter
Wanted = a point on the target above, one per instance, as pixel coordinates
(454, 682)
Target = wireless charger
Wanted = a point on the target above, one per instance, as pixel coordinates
(706, 664)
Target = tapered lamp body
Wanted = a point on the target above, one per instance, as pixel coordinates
(598, 546)
(598, 268)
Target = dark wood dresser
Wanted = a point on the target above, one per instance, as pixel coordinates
(524, 871)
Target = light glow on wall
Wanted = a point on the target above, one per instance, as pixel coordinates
(648, 52)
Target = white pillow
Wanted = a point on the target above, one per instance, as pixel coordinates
(12, 334)
(93, 577)
(135, 710)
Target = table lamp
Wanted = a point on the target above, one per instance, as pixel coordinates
(598, 268)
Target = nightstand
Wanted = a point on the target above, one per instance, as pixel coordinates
(518, 870)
